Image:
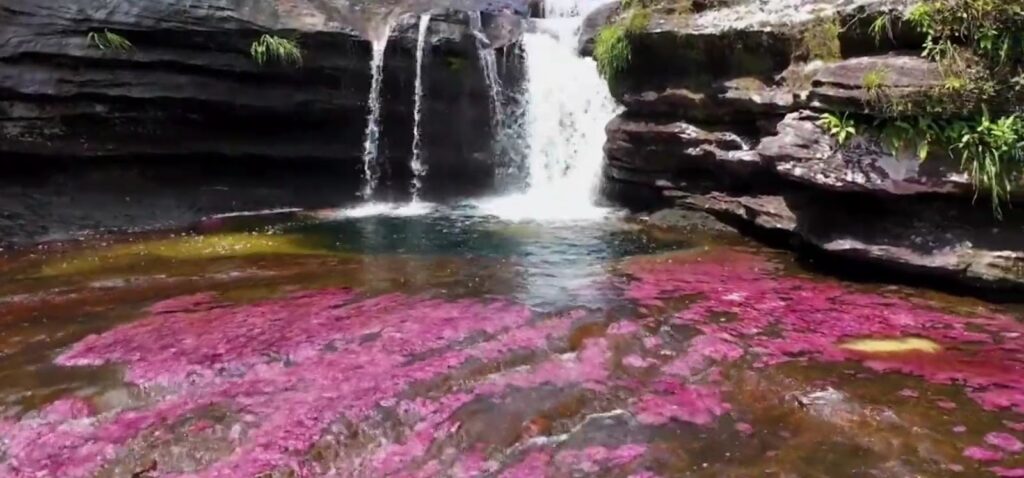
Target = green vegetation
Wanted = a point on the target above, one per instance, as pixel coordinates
(874, 82)
(840, 127)
(977, 114)
(274, 48)
(613, 50)
(820, 40)
(882, 26)
(108, 40)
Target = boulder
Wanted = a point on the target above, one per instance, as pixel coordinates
(940, 239)
(841, 86)
(592, 24)
(803, 152)
(675, 146)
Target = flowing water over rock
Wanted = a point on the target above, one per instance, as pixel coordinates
(416, 164)
(451, 344)
(371, 170)
(567, 108)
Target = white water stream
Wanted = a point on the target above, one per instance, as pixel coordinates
(567, 108)
(419, 168)
(371, 170)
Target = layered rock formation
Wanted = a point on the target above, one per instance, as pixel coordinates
(189, 88)
(722, 113)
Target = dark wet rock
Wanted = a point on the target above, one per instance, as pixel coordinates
(677, 146)
(595, 20)
(190, 88)
(947, 239)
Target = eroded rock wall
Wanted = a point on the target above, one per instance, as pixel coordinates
(722, 113)
(189, 88)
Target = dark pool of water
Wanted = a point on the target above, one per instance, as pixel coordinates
(454, 344)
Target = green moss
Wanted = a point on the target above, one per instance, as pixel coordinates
(820, 40)
(613, 48)
(612, 51)
(269, 48)
(108, 40)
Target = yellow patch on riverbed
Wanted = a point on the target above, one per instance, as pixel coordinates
(894, 345)
(182, 248)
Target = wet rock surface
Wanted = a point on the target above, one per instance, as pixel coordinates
(188, 87)
(722, 113)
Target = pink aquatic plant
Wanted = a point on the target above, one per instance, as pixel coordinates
(673, 401)
(288, 367)
(982, 454)
(1005, 441)
(291, 368)
(780, 319)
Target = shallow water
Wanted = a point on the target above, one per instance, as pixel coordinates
(447, 343)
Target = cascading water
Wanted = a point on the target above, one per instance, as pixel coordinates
(419, 169)
(567, 108)
(371, 170)
(489, 64)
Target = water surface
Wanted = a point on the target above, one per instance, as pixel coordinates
(444, 342)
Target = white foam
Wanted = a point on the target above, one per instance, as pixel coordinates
(376, 209)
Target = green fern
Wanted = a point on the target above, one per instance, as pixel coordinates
(108, 40)
(277, 49)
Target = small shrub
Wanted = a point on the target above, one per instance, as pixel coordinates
(108, 40)
(820, 40)
(274, 48)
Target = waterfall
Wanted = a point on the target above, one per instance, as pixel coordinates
(567, 108)
(489, 65)
(371, 170)
(416, 163)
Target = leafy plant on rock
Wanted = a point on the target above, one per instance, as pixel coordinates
(108, 40)
(841, 127)
(277, 49)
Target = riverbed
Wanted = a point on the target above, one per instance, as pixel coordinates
(441, 341)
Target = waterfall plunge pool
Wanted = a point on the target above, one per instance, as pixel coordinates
(453, 343)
